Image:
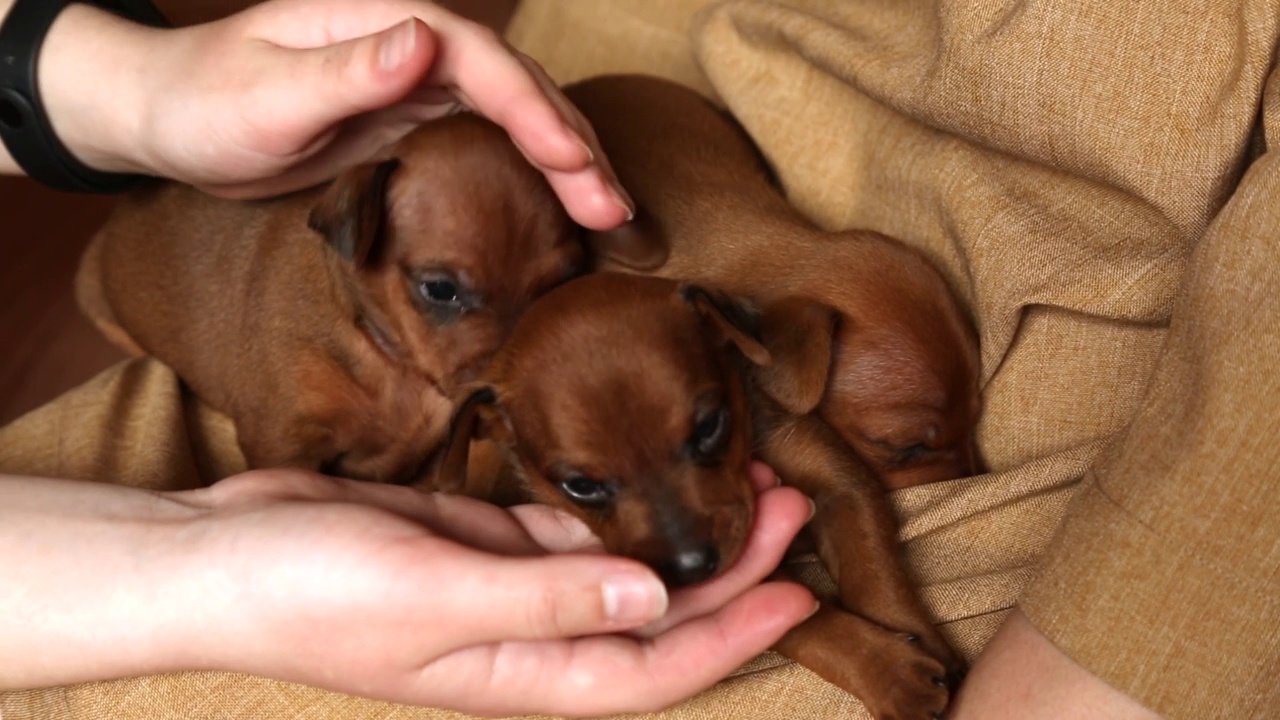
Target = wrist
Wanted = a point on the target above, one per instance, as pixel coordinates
(98, 583)
(93, 72)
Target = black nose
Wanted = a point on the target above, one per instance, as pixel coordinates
(690, 565)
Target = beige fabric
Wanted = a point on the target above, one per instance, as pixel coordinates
(1165, 581)
(574, 40)
(1061, 160)
(136, 425)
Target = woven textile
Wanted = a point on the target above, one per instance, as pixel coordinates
(1094, 179)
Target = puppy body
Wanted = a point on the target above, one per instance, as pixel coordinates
(332, 325)
(635, 404)
(903, 387)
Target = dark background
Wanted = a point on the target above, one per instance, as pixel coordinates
(46, 346)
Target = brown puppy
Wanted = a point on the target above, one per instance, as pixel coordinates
(635, 404)
(903, 389)
(333, 325)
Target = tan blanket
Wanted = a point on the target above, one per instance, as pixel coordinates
(1094, 178)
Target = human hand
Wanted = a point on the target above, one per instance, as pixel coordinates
(445, 601)
(289, 92)
(373, 590)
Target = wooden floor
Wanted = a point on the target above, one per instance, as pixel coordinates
(46, 347)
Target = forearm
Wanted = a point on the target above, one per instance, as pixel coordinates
(94, 583)
(1020, 675)
(89, 72)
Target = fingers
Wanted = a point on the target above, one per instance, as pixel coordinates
(312, 90)
(335, 63)
(555, 530)
(491, 79)
(359, 139)
(512, 90)
(467, 521)
(589, 199)
(697, 654)
(762, 476)
(550, 597)
(780, 514)
(605, 675)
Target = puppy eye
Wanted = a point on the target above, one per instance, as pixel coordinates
(585, 491)
(911, 453)
(440, 291)
(709, 434)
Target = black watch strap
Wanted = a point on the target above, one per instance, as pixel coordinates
(24, 126)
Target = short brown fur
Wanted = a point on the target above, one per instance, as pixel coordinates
(608, 379)
(903, 384)
(304, 318)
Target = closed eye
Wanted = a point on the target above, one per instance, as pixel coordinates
(710, 435)
(911, 454)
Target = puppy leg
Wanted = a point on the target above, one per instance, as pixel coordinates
(854, 530)
(892, 675)
(92, 300)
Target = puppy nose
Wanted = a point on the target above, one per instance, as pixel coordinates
(691, 565)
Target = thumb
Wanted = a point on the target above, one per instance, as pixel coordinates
(325, 85)
(562, 596)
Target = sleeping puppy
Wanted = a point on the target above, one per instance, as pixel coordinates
(903, 387)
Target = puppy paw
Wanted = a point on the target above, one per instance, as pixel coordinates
(893, 673)
(933, 644)
(909, 684)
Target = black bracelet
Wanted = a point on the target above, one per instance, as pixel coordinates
(24, 126)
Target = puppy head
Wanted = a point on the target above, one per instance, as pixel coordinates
(444, 243)
(904, 392)
(620, 400)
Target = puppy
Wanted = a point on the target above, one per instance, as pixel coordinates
(635, 404)
(333, 325)
(903, 388)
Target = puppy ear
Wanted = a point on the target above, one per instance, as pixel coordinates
(477, 417)
(638, 244)
(352, 212)
(733, 320)
(798, 333)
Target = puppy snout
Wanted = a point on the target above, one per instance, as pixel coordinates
(690, 565)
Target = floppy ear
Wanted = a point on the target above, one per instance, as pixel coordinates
(733, 320)
(478, 417)
(352, 212)
(798, 333)
(637, 245)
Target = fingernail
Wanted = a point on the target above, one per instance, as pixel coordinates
(633, 599)
(817, 605)
(623, 200)
(398, 44)
(591, 156)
